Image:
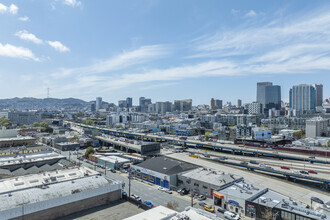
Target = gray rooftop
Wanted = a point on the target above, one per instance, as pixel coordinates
(166, 166)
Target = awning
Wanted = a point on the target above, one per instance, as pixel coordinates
(218, 195)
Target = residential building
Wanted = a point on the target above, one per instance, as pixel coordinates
(318, 95)
(316, 127)
(218, 103)
(255, 108)
(183, 105)
(302, 98)
(122, 104)
(24, 118)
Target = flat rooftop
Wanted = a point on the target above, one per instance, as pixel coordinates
(15, 192)
(20, 159)
(242, 189)
(214, 177)
(160, 212)
(114, 159)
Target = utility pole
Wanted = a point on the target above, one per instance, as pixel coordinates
(129, 183)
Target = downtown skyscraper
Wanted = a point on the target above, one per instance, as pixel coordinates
(269, 96)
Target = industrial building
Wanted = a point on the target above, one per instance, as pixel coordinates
(161, 212)
(55, 194)
(161, 171)
(112, 162)
(17, 141)
(257, 202)
(67, 146)
(205, 181)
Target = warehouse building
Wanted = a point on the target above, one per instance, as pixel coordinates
(67, 146)
(161, 171)
(205, 181)
(112, 162)
(55, 194)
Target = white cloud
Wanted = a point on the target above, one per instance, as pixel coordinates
(12, 9)
(9, 50)
(3, 8)
(121, 61)
(25, 35)
(58, 46)
(25, 18)
(251, 14)
(72, 3)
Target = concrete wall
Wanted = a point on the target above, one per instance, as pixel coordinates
(67, 209)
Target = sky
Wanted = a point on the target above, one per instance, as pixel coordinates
(163, 50)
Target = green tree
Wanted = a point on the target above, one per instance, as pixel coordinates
(89, 150)
(88, 122)
(5, 122)
(23, 126)
(47, 129)
(35, 124)
(80, 114)
(298, 134)
(44, 124)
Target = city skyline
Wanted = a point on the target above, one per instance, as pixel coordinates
(191, 50)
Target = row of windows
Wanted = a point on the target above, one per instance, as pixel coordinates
(290, 216)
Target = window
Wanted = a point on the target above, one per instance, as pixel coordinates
(205, 187)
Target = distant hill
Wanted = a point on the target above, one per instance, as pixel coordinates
(29, 103)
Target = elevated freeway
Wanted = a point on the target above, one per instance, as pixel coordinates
(209, 145)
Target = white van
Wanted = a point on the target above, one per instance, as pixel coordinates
(230, 215)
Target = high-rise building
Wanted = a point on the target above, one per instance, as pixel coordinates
(316, 127)
(239, 103)
(302, 98)
(269, 96)
(318, 94)
(122, 104)
(183, 105)
(212, 104)
(143, 104)
(218, 103)
(129, 102)
(98, 104)
(93, 107)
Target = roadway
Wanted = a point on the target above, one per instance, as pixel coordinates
(297, 192)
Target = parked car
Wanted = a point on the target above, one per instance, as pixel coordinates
(168, 191)
(262, 165)
(244, 163)
(179, 190)
(202, 204)
(230, 215)
(124, 194)
(295, 172)
(137, 198)
(113, 170)
(184, 192)
(201, 197)
(254, 162)
(221, 210)
(303, 172)
(209, 208)
(312, 171)
(147, 203)
(311, 157)
(285, 167)
(161, 188)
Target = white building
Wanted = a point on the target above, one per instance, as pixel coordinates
(316, 127)
(8, 133)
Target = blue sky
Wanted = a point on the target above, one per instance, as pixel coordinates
(164, 50)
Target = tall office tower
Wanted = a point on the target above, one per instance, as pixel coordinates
(269, 96)
(239, 103)
(129, 102)
(302, 98)
(212, 104)
(98, 104)
(183, 105)
(218, 103)
(318, 95)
